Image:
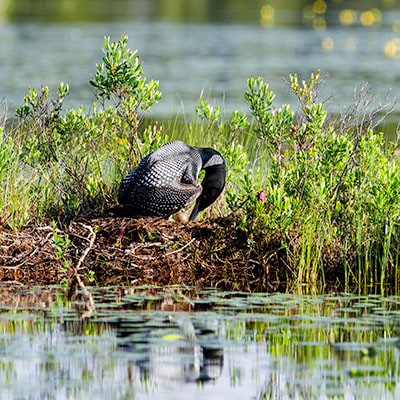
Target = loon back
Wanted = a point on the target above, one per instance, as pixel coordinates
(166, 181)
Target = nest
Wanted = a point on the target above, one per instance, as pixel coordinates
(127, 251)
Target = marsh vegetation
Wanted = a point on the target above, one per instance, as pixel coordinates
(311, 198)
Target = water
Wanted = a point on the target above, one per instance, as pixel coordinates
(159, 344)
(205, 49)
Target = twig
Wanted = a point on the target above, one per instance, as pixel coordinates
(91, 306)
(92, 236)
(180, 249)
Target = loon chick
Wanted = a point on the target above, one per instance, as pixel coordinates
(166, 181)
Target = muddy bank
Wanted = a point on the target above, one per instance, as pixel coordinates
(125, 251)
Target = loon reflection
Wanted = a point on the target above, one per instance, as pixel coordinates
(171, 350)
(165, 181)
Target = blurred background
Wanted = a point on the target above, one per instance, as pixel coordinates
(204, 48)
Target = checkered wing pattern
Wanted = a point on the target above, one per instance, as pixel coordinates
(164, 182)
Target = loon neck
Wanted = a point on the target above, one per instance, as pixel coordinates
(212, 184)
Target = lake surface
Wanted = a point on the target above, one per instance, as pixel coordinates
(203, 48)
(173, 343)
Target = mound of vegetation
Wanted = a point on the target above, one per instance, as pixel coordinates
(128, 251)
(310, 198)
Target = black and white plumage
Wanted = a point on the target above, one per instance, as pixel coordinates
(166, 181)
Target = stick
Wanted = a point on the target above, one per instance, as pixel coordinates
(91, 306)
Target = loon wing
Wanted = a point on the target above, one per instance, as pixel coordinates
(164, 182)
(176, 149)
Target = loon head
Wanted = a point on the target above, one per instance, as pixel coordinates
(214, 180)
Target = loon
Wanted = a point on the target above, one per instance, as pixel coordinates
(166, 181)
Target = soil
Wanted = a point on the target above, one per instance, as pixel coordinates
(127, 251)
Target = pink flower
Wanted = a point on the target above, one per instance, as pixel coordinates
(261, 196)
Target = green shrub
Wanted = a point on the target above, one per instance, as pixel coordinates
(78, 159)
(332, 196)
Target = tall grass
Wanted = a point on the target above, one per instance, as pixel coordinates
(326, 189)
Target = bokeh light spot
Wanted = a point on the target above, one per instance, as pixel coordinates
(328, 44)
(351, 44)
(347, 17)
(371, 17)
(392, 48)
(396, 26)
(319, 23)
(319, 7)
(308, 12)
(267, 14)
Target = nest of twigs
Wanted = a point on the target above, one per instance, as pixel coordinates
(127, 251)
